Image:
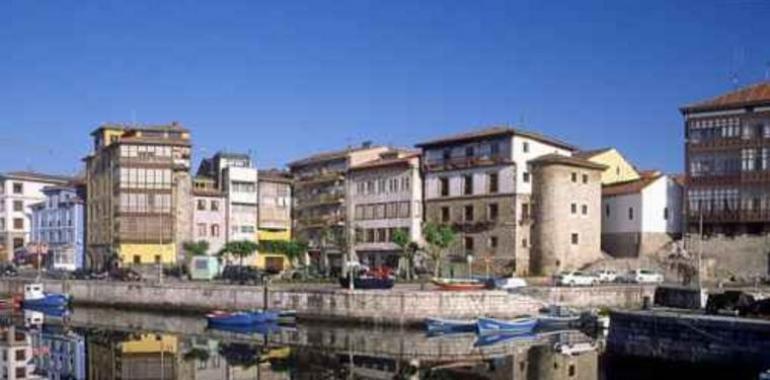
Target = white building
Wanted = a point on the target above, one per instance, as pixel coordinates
(18, 192)
(59, 223)
(641, 217)
(383, 196)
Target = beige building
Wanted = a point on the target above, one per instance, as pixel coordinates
(618, 170)
(480, 183)
(138, 194)
(384, 195)
(274, 215)
(319, 202)
(209, 217)
(567, 196)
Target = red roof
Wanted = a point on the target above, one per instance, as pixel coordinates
(752, 95)
(631, 187)
(401, 159)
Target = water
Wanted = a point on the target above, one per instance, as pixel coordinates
(117, 344)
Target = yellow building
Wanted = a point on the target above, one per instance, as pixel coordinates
(274, 216)
(618, 168)
(138, 190)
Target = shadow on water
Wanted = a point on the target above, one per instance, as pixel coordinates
(92, 343)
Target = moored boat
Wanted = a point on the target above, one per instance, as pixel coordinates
(558, 317)
(441, 325)
(242, 318)
(368, 283)
(249, 329)
(35, 296)
(520, 325)
(493, 339)
(459, 284)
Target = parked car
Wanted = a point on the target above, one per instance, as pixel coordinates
(759, 309)
(125, 274)
(242, 275)
(606, 275)
(643, 276)
(576, 278)
(509, 283)
(84, 274)
(178, 271)
(8, 270)
(731, 301)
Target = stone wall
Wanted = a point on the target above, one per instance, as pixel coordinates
(613, 296)
(635, 244)
(744, 256)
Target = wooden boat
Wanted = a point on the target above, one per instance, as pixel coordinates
(440, 325)
(557, 317)
(521, 325)
(34, 296)
(457, 284)
(367, 283)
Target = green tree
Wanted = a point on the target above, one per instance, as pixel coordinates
(239, 248)
(439, 238)
(408, 248)
(196, 248)
(292, 249)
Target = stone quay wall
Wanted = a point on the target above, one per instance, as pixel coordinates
(695, 338)
(610, 296)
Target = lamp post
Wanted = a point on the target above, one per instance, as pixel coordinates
(469, 259)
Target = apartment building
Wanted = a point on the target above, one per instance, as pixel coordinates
(138, 193)
(209, 216)
(18, 192)
(567, 196)
(480, 183)
(384, 195)
(727, 159)
(641, 217)
(274, 215)
(319, 202)
(59, 224)
(16, 354)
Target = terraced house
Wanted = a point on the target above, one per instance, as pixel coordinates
(138, 193)
(274, 215)
(319, 202)
(480, 183)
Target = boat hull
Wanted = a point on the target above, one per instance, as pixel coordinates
(459, 285)
(368, 283)
(551, 322)
(447, 326)
(243, 318)
(48, 301)
(497, 326)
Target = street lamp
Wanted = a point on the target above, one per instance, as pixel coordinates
(469, 259)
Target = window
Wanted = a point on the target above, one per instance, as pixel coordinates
(468, 245)
(18, 242)
(18, 188)
(585, 178)
(2, 224)
(469, 213)
(584, 209)
(492, 211)
(524, 243)
(525, 177)
(630, 213)
(157, 259)
(665, 213)
(573, 208)
(525, 147)
(494, 149)
(202, 229)
(574, 177)
(607, 210)
(444, 186)
(493, 182)
(21, 372)
(21, 355)
(447, 154)
(469, 151)
(214, 205)
(468, 185)
(406, 183)
(525, 211)
(575, 239)
(445, 214)
(137, 259)
(215, 230)
(492, 242)
(370, 235)
(18, 205)
(201, 204)
(18, 223)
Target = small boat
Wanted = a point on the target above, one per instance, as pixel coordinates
(287, 316)
(250, 329)
(459, 284)
(440, 325)
(492, 339)
(368, 283)
(521, 325)
(575, 348)
(558, 317)
(34, 296)
(241, 318)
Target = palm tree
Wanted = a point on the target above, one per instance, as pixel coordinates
(439, 238)
(408, 248)
(240, 249)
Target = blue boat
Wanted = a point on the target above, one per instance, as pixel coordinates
(257, 328)
(440, 325)
(493, 339)
(242, 318)
(35, 297)
(521, 325)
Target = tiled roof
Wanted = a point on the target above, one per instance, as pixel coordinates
(493, 132)
(586, 154)
(275, 175)
(331, 155)
(146, 127)
(554, 158)
(752, 95)
(35, 176)
(402, 159)
(633, 186)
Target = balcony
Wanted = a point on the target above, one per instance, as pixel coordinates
(319, 200)
(730, 216)
(320, 179)
(319, 221)
(464, 162)
(727, 143)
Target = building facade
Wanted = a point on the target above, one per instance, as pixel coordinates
(274, 215)
(727, 160)
(384, 195)
(567, 195)
(18, 192)
(138, 194)
(618, 168)
(641, 217)
(319, 202)
(480, 183)
(209, 216)
(59, 223)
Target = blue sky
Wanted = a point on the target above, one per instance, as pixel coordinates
(288, 78)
